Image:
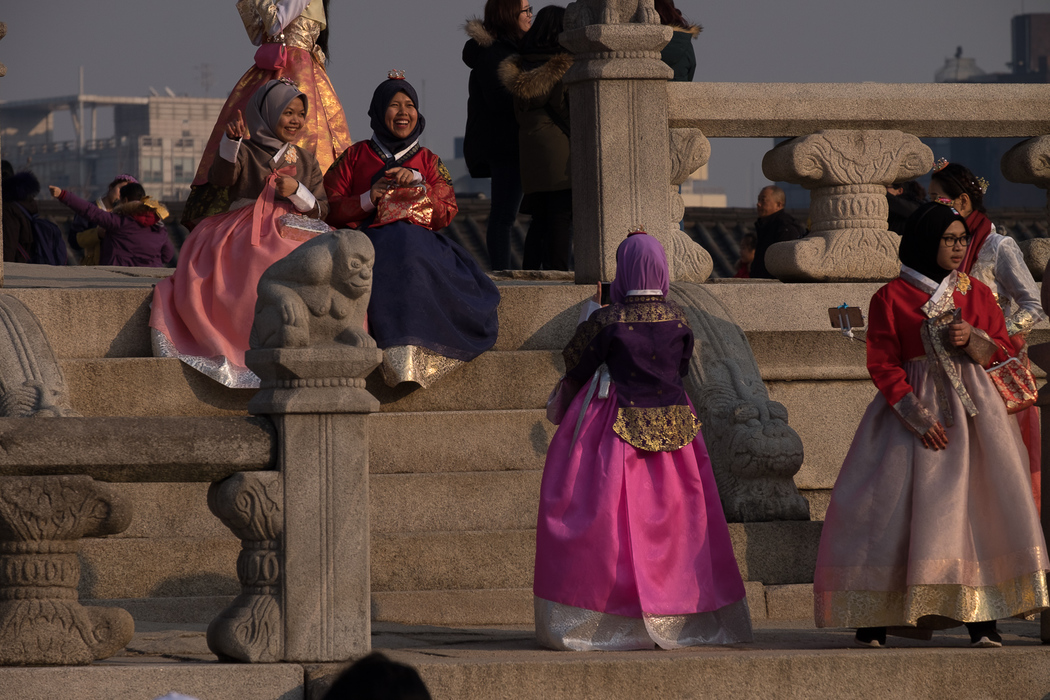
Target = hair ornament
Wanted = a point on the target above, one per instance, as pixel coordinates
(396, 74)
(289, 82)
(636, 230)
(940, 165)
(983, 184)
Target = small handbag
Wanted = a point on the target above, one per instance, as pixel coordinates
(410, 204)
(272, 56)
(1015, 383)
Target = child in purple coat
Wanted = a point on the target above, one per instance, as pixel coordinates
(133, 233)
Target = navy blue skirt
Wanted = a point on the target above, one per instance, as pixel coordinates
(428, 291)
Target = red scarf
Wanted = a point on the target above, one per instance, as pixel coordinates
(980, 226)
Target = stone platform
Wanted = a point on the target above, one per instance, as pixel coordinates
(788, 660)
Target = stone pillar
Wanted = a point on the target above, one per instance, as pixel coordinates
(42, 519)
(1029, 163)
(847, 172)
(620, 143)
(318, 401)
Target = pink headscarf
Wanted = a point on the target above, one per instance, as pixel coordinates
(641, 263)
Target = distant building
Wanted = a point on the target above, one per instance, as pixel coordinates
(159, 140)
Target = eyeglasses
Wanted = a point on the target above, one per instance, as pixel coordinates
(950, 241)
(527, 11)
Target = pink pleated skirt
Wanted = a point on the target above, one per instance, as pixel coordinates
(632, 547)
(203, 313)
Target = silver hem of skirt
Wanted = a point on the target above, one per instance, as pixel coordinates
(218, 368)
(414, 363)
(568, 628)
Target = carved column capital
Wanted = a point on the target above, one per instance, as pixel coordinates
(847, 172)
(1029, 163)
(42, 519)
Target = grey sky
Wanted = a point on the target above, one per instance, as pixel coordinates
(126, 46)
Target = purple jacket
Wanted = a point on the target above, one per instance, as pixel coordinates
(127, 242)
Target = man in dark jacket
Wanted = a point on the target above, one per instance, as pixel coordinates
(774, 225)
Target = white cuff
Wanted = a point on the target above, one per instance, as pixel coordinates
(417, 177)
(303, 199)
(287, 11)
(589, 307)
(228, 148)
(366, 201)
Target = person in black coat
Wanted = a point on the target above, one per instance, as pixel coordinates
(679, 53)
(490, 143)
(774, 225)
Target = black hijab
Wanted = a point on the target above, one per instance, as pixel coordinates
(377, 111)
(921, 239)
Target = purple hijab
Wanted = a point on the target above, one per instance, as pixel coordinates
(641, 263)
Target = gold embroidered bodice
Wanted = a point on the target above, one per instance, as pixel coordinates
(302, 33)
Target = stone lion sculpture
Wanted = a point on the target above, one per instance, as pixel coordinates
(584, 12)
(317, 295)
(754, 452)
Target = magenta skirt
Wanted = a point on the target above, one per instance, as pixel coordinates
(634, 534)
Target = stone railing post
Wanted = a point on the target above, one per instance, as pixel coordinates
(42, 519)
(620, 141)
(847, 172)
(317, 509)
(1029, 163)
(304, 565)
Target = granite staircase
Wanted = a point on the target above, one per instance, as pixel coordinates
(455, 470)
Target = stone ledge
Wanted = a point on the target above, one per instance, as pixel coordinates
(134, 679)
(758, 110)
(137, 449)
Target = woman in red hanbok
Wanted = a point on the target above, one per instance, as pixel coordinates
(931, 522)
(632, 547)
(203, 313)
(301, 27)
(432, 308)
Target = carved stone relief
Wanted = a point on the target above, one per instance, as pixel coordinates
(754, 452)
(586, 12)
(687, 260)
(42, 519)
(847, 172)
(31, 381)
(251, 629)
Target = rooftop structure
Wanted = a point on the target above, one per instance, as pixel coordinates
(158, 139)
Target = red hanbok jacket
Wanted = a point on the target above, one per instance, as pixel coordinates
(354, 171)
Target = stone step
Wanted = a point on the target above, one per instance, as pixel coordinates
(89, 323)
(133, 677)
(146, 386)
(782, 663)
(124, 567)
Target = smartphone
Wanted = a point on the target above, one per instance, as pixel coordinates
(606, 293)
(956, 315)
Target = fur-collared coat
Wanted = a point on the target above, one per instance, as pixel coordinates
(491, 134)
(541, 107)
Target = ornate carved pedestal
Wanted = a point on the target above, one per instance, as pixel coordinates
(42, 519)
(847, 172)
(1029, 162)
(305, 566)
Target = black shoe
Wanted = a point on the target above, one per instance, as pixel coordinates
(871, 636)
(984, 635)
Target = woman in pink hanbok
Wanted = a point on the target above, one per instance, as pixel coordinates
(632, 547)
(203, 313)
